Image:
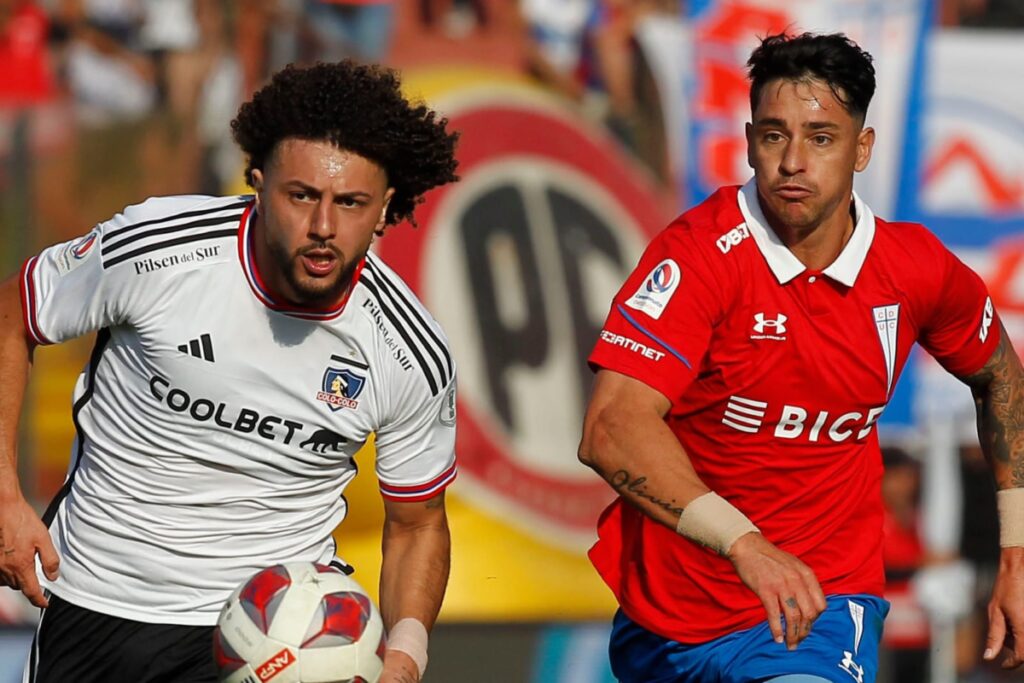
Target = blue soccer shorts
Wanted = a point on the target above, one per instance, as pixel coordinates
(841, 648)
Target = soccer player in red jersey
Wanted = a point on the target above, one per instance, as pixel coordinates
(740, 373)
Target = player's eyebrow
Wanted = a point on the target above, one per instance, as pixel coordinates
(355, 193)
(296, 183)
(821, 125)
(309, 189)
(779, 123)
(769, 121)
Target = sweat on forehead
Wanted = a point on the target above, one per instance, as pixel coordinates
(816, 93)
(325, 154)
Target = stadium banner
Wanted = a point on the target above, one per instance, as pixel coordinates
(969, 177)
(518, 262)
(969, 188)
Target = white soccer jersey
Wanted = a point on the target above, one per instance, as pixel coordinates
(215, 426)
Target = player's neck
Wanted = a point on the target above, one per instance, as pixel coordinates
(818, 245)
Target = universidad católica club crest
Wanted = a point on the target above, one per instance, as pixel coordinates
(340, 388)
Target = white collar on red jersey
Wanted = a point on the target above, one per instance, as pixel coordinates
(781, 260)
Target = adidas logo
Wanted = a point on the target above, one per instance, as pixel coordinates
(200, 348)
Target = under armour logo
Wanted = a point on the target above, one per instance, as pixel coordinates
(777, 326)
(851, 667)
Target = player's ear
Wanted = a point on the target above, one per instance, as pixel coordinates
(865, 143)
(256, 179)
(383, 218)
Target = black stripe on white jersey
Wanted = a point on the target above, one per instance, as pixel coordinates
(240, 203)
(350, 361)
(180, 227)
(185, 239)
(413, 348)
(102, 338)
(222, 216)
(403, 304)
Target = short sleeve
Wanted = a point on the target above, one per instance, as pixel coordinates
(416, 448)
(962, 329)
(66, 292)
(84, 285)
(661, 320)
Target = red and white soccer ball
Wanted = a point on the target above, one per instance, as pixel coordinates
(299, 623)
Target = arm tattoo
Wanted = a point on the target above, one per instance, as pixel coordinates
(623, 482)
(998, 390)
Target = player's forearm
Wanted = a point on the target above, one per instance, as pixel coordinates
(999, 397)
(414, 572)
(15, 361)
(640, 457)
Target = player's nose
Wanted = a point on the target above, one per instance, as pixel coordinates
(321, 225)
(793, 159)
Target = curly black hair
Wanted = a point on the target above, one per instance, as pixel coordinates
(359, 108)
(832, 58)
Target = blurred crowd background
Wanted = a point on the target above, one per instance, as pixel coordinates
(586, 125)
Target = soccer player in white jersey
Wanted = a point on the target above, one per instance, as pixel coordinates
(247, 346)
(740, 374)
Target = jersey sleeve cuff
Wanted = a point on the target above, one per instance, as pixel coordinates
(628, 347)
(29, 301)
(969, 362)
(417, 492)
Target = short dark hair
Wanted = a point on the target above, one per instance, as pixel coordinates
(359, 108)
(832, 58)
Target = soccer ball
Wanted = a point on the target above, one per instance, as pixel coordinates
(299, 623)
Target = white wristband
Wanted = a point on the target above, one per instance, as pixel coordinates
(1011, 517)
(409, 635)
(712, 521)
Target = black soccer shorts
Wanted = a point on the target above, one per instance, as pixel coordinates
(76, 644)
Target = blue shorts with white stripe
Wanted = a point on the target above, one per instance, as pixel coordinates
(842, 648)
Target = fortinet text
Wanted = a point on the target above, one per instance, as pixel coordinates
(631, 345)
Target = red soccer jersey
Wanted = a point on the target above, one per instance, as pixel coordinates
(777, 375)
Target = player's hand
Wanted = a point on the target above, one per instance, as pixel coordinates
(785, 585)
(22, 535)
(399, 668)
(1006, 610)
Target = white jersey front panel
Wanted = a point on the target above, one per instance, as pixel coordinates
(216, 428)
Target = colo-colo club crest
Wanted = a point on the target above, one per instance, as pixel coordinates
(340, 388)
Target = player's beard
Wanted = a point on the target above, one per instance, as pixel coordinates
(315, 292)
